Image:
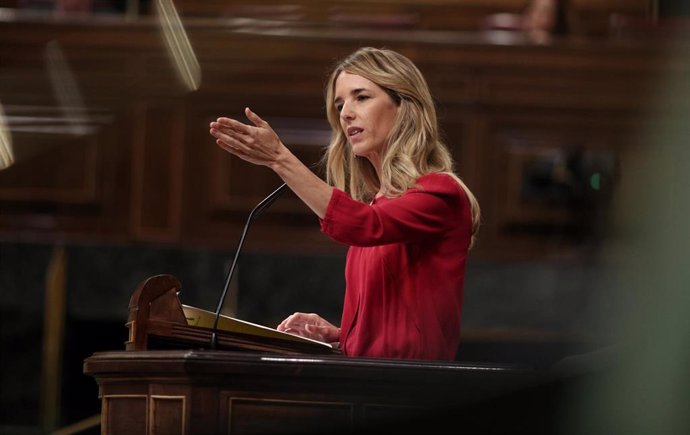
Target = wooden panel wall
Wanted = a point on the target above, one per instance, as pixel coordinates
(466, 15)
(524, 121)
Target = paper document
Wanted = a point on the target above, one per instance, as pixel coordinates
(198, 317)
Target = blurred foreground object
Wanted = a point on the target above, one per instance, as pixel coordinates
(6, 152)
(648, 390)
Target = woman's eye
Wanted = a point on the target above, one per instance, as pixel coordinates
(362, 97)
(339, 107)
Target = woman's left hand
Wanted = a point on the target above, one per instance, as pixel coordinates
(310, 325)
(257, 144)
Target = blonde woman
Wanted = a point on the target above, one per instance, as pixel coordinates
(390, 195)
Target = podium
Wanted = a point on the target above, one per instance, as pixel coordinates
(230, 392)
(168, 381)
(157, 320)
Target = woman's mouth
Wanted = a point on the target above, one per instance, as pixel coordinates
(354, 132)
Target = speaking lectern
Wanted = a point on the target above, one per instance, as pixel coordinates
(169, 381)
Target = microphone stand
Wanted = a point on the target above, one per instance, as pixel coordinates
(254, 213)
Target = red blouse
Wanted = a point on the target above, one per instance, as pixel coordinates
(404, 271)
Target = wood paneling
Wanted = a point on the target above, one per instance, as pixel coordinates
(66, 182)
(168, 415)
(248, 415)
(469, 15)
(156, 168)
(134, 406)
(146, 169)
(552, 178)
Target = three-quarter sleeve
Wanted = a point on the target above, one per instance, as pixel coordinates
(420, 213)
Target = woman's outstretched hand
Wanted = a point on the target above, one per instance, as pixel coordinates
(260, 145)
(257, 144)
(310, 326)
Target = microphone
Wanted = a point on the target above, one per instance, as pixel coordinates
(263, 205)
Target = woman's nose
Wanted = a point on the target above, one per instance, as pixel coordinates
(346, 113)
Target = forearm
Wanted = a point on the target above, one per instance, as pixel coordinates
(312, 190)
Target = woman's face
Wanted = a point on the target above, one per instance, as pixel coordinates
(367, 115)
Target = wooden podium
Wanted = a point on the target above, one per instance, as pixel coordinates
(268, 385)
(227, 392)
(157, 320)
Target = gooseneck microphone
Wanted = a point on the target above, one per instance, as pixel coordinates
(263, 205)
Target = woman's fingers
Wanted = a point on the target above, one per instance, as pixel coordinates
(225, 129)
(295, 321)
(230, 143)
(309, 325)
(233, 124)
(259, 143)
(218, 129)
(285, 324)
(254, 118)
(242, 128)
(231, 139)
(237, 146)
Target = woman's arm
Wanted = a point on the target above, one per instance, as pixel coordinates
(429, 210)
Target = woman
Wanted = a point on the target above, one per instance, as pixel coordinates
(391, 195)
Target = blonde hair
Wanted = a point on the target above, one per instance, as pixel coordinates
(414, 147)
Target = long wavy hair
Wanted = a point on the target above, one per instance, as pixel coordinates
(413, 146)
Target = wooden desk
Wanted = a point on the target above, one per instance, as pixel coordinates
(205, 392)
